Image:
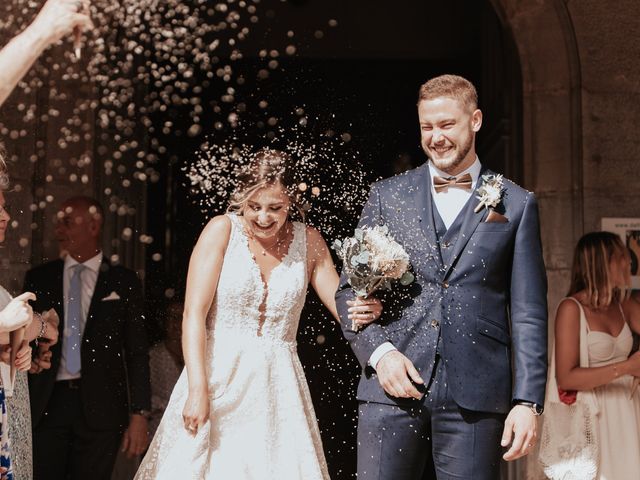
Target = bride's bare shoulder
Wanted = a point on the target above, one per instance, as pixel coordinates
(314, 237)
(316, 245)
(217, 231)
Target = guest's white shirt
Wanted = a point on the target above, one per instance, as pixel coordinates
(88, 279)
(449, 204)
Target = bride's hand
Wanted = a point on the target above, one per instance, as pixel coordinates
(196, 410)
(364, 311)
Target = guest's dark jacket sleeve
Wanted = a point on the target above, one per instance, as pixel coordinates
(136, 346)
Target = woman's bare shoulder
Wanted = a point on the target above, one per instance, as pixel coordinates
(217, 231)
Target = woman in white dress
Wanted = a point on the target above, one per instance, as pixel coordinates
(600, 278)
(241, 408)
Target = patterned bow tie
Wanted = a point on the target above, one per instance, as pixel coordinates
(442, 184)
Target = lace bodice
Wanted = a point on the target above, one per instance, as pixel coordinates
(242, 291)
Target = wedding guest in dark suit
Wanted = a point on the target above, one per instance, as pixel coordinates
(96, 393)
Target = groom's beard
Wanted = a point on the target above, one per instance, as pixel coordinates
(449, 164)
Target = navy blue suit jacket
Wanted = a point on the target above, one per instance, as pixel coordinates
(487, 303)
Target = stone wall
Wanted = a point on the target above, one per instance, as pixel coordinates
(581, 84)
(608, 36)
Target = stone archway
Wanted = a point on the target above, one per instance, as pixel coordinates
(552, 124)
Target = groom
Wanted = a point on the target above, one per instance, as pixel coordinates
(455, 370)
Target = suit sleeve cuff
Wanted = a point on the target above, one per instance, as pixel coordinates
(379, 352)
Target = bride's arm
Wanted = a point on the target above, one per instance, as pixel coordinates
(204, 271)
(324, 280)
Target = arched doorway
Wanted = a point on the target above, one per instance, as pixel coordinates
(363, 75)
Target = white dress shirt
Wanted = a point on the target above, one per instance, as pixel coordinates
(449, 204)
(451, 201)
(88, 278)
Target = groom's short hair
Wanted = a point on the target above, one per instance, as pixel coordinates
(450, 86)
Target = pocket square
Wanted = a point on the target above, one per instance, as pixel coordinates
(112, 296)
(495, 217)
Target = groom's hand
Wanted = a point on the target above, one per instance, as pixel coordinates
(520, 426)
(396, 373)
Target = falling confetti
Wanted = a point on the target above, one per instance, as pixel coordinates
(145, 67)
(332, 183)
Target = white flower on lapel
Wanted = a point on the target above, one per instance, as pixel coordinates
(490, 192)
(111, 297)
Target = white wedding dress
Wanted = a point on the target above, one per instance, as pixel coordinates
(619, 417)
(262, 424)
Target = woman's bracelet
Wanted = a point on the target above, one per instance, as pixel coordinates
(43, 328)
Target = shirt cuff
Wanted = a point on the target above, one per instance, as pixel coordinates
(378, 353)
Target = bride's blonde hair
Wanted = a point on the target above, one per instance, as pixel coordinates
(590, 271)
(267, 167)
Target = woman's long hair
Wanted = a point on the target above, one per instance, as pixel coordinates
(267, 167)
(590, 271)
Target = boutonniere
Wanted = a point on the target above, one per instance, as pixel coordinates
(490, 192)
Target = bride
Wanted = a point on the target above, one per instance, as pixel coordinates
(242, 409)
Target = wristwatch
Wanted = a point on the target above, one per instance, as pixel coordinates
(145, 413)
(535, 408)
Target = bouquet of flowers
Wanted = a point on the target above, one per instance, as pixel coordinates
(372, 260)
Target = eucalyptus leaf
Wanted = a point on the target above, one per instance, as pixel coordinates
(407, 278)
(359, 234)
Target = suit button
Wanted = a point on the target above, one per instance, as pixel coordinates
(445, 244)
(445, 284)
(435, 323)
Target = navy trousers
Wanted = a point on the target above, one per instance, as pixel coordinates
(436, 439)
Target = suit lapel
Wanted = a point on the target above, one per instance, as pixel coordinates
(469, 224)
(424, 205)
(100, 292)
